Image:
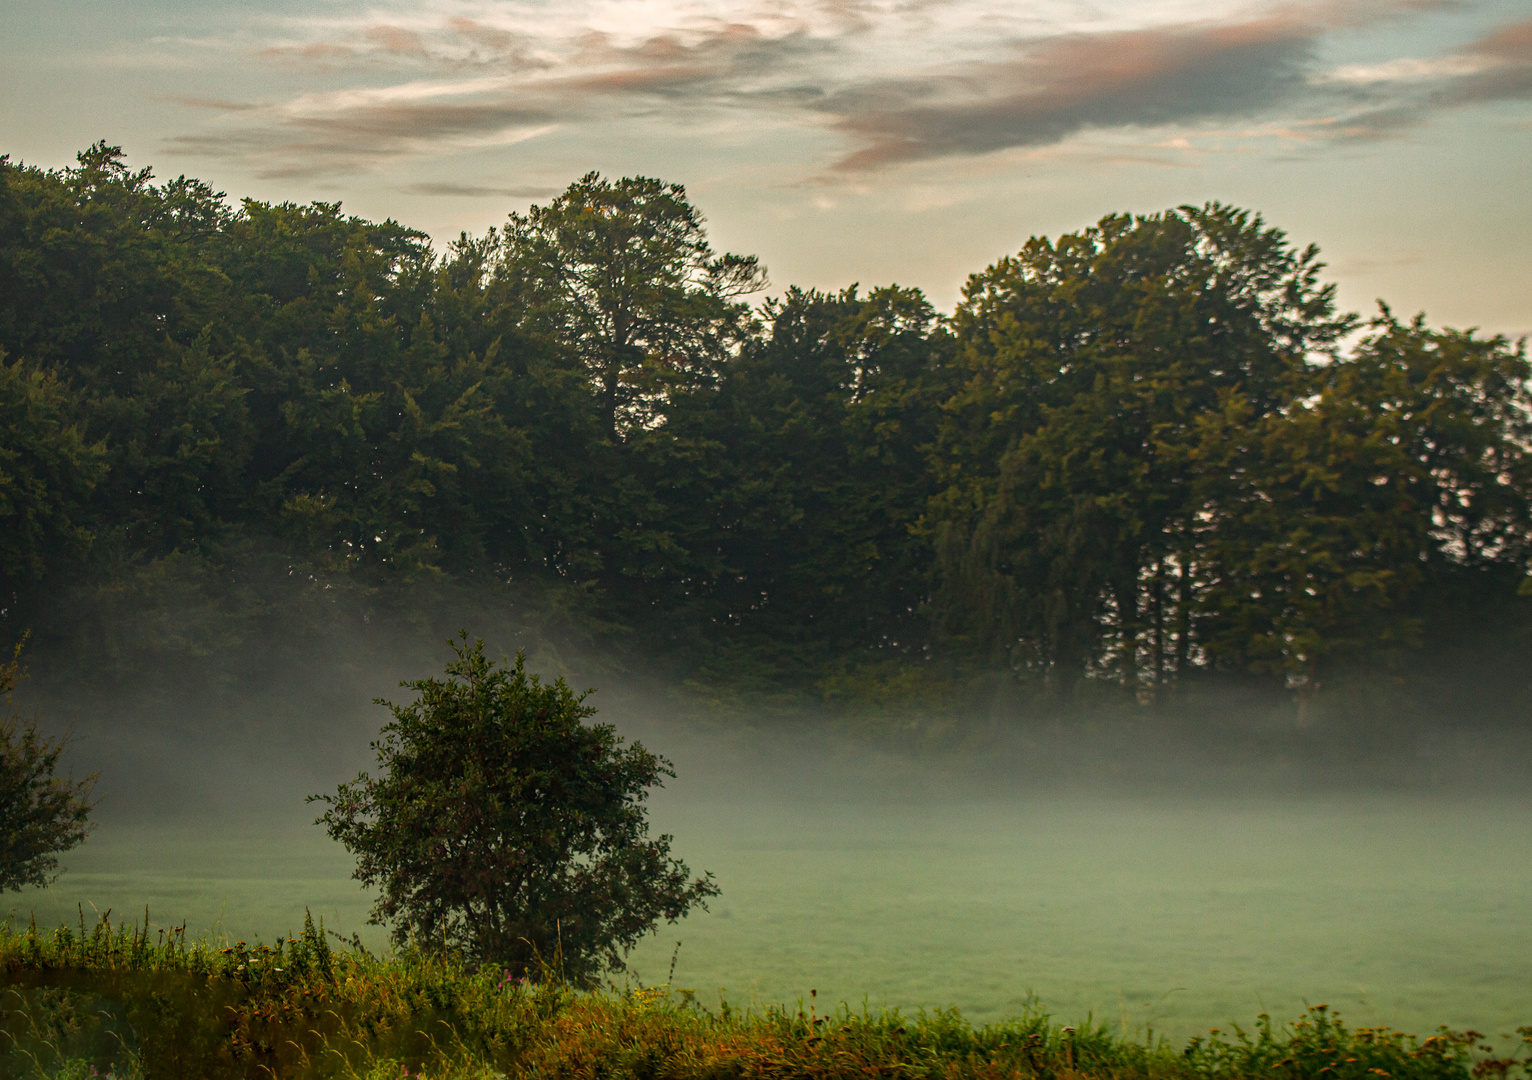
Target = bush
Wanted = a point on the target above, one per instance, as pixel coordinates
(505, 828)
(41, 813)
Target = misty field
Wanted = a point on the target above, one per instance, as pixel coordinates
(1175, 914)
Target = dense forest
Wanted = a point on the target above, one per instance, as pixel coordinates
(1135, 457)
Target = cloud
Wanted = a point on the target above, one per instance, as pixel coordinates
(1507, 72)
(474, 192)
(306, 140)
(213, 104)
(396, 39)
(1402, 94)
(327, 53)
(716, 67)
(448, 43)
(902, 81)
(1405, 69)
(1054, 89)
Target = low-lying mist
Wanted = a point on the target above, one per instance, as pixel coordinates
(1161, 868)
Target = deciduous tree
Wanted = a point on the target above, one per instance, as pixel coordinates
(504, 827)
(621, 274)
(41, 813)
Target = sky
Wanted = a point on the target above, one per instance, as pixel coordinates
(841, 141)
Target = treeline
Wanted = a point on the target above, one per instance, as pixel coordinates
(1142, 453)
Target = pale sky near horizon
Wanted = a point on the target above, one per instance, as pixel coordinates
(871, 141)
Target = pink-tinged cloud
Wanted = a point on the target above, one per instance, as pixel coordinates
(491, 38)
(1508, 75)
(345, 131)
(396, 39)
(1497, 67)
(477, 191)
(1057, 88)
(482, 82)
(363, 137)
(318, 53)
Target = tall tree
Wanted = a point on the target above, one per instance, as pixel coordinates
(1404, 468)
(622, 276)
(48, 469)
(1069, 453)
(795, 484)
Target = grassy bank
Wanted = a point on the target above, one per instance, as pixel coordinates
(113, 1001)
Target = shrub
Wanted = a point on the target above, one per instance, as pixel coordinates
(41, 813)
(504, 827)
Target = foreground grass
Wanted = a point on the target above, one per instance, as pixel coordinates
(108, 1001)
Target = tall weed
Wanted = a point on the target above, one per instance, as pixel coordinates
(107, 1001)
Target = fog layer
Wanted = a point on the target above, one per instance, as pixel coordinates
(1154, 869)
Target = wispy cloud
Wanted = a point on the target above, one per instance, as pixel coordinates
(1408, 69)
(214, 104)
(1507, 73)
(1053, 89)
(901, 81)
(460, 97)
(1398, 95)
(476, 192)
(351, 130)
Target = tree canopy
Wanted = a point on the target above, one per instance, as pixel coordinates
(620, 275)
(1147, 452)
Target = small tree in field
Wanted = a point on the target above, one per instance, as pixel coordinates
(503, 827)
(41, 814)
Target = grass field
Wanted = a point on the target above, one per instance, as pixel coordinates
(1180, 914)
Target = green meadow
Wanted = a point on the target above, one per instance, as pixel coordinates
(1142, 913)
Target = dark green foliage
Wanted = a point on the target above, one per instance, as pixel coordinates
(47, 472)
(41, 813)
(1074, 507)
(1160, 464)
(791, 489)
(1137, 455)
(504, 828)
(621, 277)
